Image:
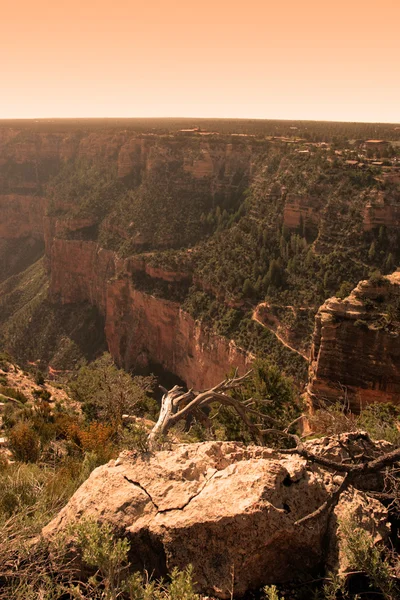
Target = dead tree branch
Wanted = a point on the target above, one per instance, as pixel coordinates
(176, 404)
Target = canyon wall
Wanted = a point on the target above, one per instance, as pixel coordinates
(141, 329)
(301, 211)
(355, 356)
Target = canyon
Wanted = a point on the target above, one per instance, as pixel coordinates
(117, 257)
(140, 328)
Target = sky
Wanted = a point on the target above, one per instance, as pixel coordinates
(283, 59)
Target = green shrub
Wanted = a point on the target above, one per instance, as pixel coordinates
(345, 289)
(106, 392)
(13, 393)
(39, 378)
(42, 394)
(271, 593)
(377, 279)
(363, 555)
(135, 437)
(361, 323)
(381, 422)
(100, 549)
(17, 492)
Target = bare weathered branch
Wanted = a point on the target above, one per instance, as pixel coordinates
(176, 404)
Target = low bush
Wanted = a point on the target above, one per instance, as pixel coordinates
(24, 442)
(13, 393)
(42, 395)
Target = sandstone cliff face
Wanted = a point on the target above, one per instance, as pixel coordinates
(300, 210)
(355, 356)
(140, 329)
(381, 212)
(21, 216)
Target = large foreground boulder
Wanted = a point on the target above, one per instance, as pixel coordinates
(227, 509)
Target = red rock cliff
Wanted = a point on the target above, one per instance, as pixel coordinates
(140, 329)
(355, 357)
(21, 216)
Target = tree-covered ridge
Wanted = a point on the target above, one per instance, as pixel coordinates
(84, 190)
(260, 256)
(174, 197)
(248, 221)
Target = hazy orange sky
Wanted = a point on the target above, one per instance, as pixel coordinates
(283, 59)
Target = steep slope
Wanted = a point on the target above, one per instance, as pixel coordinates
(34, 329)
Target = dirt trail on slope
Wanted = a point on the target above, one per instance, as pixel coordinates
(275, 332)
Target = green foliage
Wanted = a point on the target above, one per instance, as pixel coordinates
(376, 278)
(88, 190)
(108, 555)
(39, 378)
(271, 593)
(381, 422)
(135, 437)
(32, 328)
(334, 588)
(363, 555)
(181, 586)
(274, 395)
(106, 392)
(42, 394)
(102, 550)
(13, 393)
(5, 361)
(344, 290)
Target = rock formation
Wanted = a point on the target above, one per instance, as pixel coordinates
(227, 509)
(140, 328)
(300, 211)
(355, 356)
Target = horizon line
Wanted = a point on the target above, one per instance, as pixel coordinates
(166, 118)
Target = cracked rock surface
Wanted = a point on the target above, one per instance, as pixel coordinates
(227, 509)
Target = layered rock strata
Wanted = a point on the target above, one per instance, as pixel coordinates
(141, 329)
(355, 355)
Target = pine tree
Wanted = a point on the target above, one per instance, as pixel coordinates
(372, 251)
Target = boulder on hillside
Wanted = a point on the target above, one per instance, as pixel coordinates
(227, 509)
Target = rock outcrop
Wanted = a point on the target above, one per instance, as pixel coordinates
(227, 509)
(355, 356)
(383, 209)
(301, 211)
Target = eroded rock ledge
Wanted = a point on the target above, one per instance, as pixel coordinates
(355, 356)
